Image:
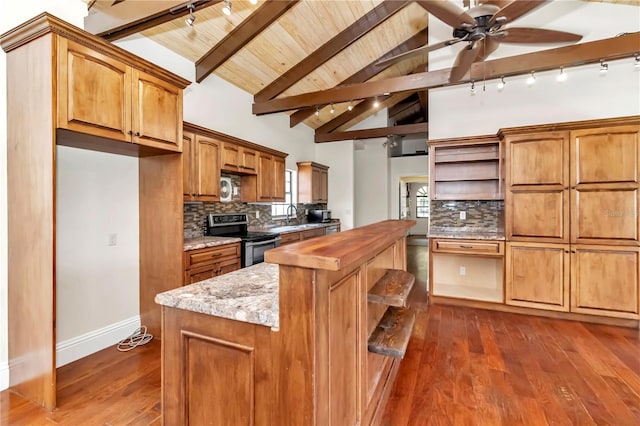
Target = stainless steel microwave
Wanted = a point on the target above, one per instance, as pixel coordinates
(318, 215)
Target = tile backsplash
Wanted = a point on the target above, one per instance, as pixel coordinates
(487, 215)
(196, 212)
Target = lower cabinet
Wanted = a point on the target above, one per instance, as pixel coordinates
(585, 279)
(209, 262)
(294, 237)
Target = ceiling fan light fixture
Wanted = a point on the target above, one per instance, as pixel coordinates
(604, 68)
(562, 77)
(192, 18)
(501, 83)
(227, 7)
(532, 79)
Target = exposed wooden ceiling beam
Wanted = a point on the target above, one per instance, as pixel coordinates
(608, 49)
(347, 116)
(367, 72)
(423, 95)
(144, 17)
(379, 132)
(331, 48)
(246, 31)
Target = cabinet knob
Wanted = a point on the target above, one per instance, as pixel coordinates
(137, 133)
(566, 251)
(130, 132)
(573, 251)
(573, 187)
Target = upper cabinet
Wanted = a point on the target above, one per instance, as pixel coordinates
(98, 94)
(239, 159)
(313, 183)
(200, 167)
(466, 169)
(271, 178)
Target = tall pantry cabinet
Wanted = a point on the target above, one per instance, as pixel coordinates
(571, 218)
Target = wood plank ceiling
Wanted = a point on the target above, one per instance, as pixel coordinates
(276, 49)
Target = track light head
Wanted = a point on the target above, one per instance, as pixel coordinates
(502, 83)
(636, 62)
(473, 87)
(350, 107)
(562, 77)
(192, 18)
(604, 68)
(376, 102)
(227, 7)
(254, 2)
(532, 79)
(332, 110)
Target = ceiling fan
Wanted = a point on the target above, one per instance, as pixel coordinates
(482, 27)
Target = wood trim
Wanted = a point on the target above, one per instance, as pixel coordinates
(570, 125)
(468, 140)
(203, 131)
(366, 73)
(46, 23)
(406, 129)
(246, 31)
(153, 20)
(608, 49)
(331, 48)
(620, 322)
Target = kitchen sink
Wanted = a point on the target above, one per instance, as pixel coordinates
(293, 228)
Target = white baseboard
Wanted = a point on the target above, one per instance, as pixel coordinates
(4, 376)
(94, 341)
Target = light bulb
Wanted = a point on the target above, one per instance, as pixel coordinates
(604, 68)
(332, 110)
(192, 18)
(376, 103)
(253, 1)
(562, 77)
(317, 112)
(636, 63)
(227, 8)
(350, 107)
(501, 84)
(532, 79)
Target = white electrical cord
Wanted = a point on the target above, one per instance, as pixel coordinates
(138, 338)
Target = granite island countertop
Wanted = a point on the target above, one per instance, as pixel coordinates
(202, 242)
(286, 229)
(248, 295)
(466, 233)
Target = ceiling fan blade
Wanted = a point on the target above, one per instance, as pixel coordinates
(516, 9)
(537, 35)
(464, 60)
(416, 52)
(448, 12)
(499, 3)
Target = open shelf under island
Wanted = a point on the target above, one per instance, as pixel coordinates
(293, 341)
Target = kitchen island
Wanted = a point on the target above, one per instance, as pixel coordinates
(299, 340)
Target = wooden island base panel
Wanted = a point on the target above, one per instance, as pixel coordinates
(307, 347)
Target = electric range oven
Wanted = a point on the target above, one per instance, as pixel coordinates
(253, 244)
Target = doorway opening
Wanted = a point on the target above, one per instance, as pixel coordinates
(414, 203)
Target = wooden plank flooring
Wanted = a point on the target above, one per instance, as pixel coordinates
(462, 367)
(475, 367)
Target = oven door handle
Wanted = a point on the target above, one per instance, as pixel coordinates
(262, 243)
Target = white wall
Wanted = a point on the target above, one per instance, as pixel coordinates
(97, 285)
(371, 175)
(339, 156)
(453, 111)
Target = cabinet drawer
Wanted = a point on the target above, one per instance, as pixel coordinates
(495, 248)
(292, 237)
(205, 272)
(311, 233)
(206, 256)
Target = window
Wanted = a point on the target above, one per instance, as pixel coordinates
(290, 195)
(422, 202)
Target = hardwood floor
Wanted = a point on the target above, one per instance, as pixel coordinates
(475, 367)
(105, 388)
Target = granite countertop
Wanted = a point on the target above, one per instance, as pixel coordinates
(248, 295)
(202, 242)
(466, 233)
(285, 229)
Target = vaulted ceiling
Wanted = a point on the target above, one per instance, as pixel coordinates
(281, 49)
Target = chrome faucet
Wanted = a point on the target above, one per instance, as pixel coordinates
(290, 209)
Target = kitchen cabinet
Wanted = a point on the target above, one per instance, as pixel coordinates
(537, 276)
(271, 178)
(576, 185)
(209, 262)
(102, 96)
(466, 169)
(313, 183)
(294, 237)
(238, 159)
(201, 169)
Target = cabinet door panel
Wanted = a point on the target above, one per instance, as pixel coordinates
(230, 157)
(605, 281)
(538, 160)
(539, 215)
(279, 178)
(157, 112)
(94, 92)
(265, 177)
(188, 184)
(605, 216)
(208, 169)
(606, 155)
(537, 276)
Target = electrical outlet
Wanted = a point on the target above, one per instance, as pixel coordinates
(463, 271)
(463, 215)
(236, 190)
(113, 239)
(257, 214)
